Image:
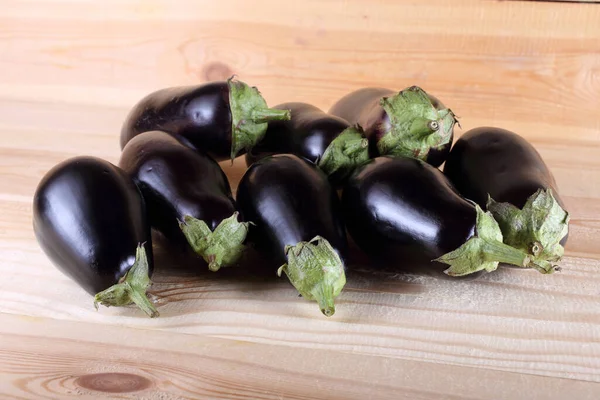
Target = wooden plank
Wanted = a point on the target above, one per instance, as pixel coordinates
(512, 320)
(70, 73)
(42, 358)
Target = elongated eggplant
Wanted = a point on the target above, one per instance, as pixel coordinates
(298, 224)
(404, 214)
(188, 197)
(326, 140)
(410, 123)
(222, 119)
(90, 220)
(500, 170)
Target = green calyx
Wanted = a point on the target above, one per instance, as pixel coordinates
(249, 116)
(485, 250)
(537, 228)
(344, 154)
(219, 248)
(316, 271)
(416, 125)
(131, 288)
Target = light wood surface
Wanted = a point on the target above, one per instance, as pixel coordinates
(70, 70)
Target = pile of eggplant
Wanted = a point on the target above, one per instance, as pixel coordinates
(368, 168)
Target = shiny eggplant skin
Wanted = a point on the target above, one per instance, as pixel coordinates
(176, 181)
(289, 200)
(199, 116)
(363, 107)
(307, 134)
(89, 217)
(403, 213)
(499, 163)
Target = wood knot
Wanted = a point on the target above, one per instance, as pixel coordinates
(216, 71)
(113, 382)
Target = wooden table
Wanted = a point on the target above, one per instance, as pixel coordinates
(69, 71)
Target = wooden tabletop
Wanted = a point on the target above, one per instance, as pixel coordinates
(69, 72)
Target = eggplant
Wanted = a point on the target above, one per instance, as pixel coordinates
(328, 141)
(188, 197)
(222, 119)
(90, 220)
(410, 123)
(504, 173)
(407, 217)
(297, 223)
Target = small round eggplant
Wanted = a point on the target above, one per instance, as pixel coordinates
(90, 220)
(405, 214)
(222, 119)
(328, 141)
(297, 223)
(500, 170)
(188, 197)
(410, 123)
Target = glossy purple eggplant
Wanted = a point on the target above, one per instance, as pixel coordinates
(328, 141)
(221, 119)
(408, 123)
(90, 220)
(504, 173)
(297, 223)
(407, 217)
(188, 197)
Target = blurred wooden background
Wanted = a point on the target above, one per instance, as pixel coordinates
(70, 70)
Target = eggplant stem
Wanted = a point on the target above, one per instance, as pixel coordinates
(249, 116)
(416, 125)
(316, 271)
(222, 247)
(537, 229)
(498, 251)
(348, 150)
(264, 115)
(132, 287)
(323, 294)
(485, 250)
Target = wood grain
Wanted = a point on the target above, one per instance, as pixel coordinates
(70, 73)
(41, 358)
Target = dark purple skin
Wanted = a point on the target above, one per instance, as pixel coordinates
(499, 163)
(89, 217)
(307, 134)
(176, 181)
(199, 116)
(363, 107)
(289, 200)
(403, 213)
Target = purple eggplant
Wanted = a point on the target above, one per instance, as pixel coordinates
(407, 217)
(297, 223)
(328, 141)
(222, 119)
(90, 220)
(188, 197)
(502, 172)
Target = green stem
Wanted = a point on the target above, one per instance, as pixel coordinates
(249, 116)
(221, 248)
(348, 150)
(144, 303)
(316, 271)
(537, 229)
(323, 294)
(416, 125)
(500, 252)
(132, 287)
(269, 114)
(356, 147)
(485, 250)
